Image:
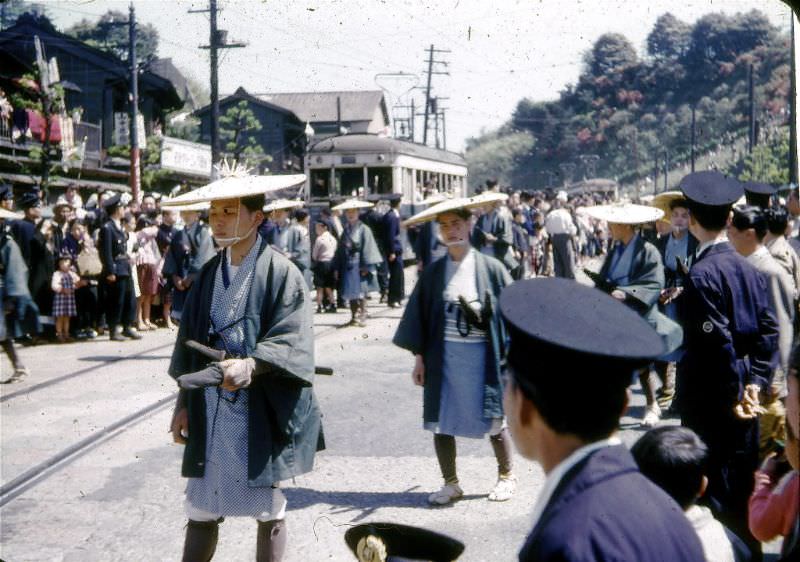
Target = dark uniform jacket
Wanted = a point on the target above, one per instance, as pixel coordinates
(730, 333)
(391, 234)
(113, 250)
(284, 419)
(421, 331)
(605, 509)
(22, 231)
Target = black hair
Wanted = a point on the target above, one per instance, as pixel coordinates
(111, 209)
(674, 458)
(591, 414)
(490, 183)
(75, 221)
(394, 203)
(777, 220)
(750, 216)
(463, 214)
(679, 203)
(323, 223)
(143, 222)
(713, 218)
(253, 203)
(300, 215)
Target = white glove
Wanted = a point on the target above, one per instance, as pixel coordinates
(237, 373)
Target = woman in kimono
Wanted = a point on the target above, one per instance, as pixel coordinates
(357, 260)
(452, 327)
(634, 274)
(261, 425)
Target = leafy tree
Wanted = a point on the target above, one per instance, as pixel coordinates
(237, 129)
(10, 10)
(497, 153)
(611, 54)
(669, 38)
(110, 34)
(769, 162)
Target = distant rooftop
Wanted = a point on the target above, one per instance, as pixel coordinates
(321, 106)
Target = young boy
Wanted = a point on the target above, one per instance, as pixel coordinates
(675, 458)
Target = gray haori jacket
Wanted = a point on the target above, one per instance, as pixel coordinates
(421, 331)
(285, 429)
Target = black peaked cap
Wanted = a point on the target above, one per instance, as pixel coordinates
(558, 327)
(711, 188)
(404, 541)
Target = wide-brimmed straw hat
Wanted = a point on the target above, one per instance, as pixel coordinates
(665, 200)
(195, 207)
(352, 204)
(6, 214)
(435, 198)
(236, 186)
(626, 213)
(281, 204)
(455, 204)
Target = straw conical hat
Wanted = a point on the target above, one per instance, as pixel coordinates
(465, 203)
(352, 204)
(6, 214)
(626, 213)
(280, 204)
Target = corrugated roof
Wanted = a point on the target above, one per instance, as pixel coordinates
(321, 106)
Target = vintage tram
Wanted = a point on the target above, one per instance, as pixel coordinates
(372, 165)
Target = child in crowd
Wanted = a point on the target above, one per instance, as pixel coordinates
(675, 458)
(64, 283)
(322, 258)
(774, 508)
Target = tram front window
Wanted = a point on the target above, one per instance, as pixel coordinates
(320, 184)
(380, 179)
(348, 180)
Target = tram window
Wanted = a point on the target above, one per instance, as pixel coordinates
(320, 180)
(380, 179)
(348, 180)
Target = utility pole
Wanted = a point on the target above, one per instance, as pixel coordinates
(133, 112)
(751, 135)
(655, 176)
(217, 40)
(444, 132)
(793, 171)
(693, 135)
(428, 99)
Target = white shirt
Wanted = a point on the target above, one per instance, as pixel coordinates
(554, 478)
(705, 245)
(716, 545)
(559, 221)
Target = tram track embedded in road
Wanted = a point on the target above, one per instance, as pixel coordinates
(63, 378)
(43, 470)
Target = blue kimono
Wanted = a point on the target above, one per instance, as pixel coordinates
(605, 509)
(357, 260)
(283, 419)
(422, 332)
(636, 270)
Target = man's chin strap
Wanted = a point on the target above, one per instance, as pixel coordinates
(225, 242)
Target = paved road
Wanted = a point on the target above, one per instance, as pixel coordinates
(122, 499)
